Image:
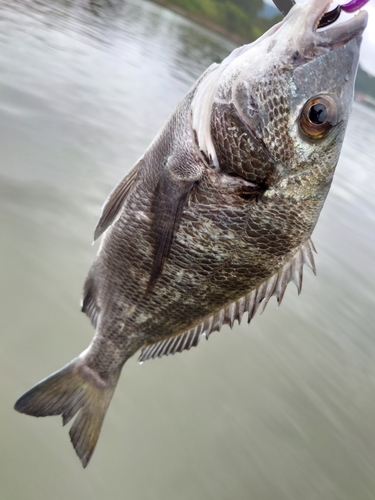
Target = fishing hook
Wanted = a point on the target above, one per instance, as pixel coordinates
(330, 17)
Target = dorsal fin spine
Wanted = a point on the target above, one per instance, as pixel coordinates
(271, 285)
(251, 305)
(241, 309)
(308, 257)
(153, 350)
(208, 326)
(282, 283)
(276, 285)
(297, 272)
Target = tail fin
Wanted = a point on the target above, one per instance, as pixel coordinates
(73, 388)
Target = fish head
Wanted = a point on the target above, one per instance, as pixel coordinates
(291, 91)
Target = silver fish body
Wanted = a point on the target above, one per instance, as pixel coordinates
(216, 217)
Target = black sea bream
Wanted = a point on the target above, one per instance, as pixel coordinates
(216, 216)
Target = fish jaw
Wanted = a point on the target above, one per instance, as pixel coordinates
(339, 67)
(293, 42)
(328, 60)
(299, 29)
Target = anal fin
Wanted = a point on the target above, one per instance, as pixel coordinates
(89, 303)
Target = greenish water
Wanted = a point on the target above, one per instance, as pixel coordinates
(283, 409)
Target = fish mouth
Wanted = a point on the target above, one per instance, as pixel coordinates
(312, 40)
(344, 32)
(335, 35)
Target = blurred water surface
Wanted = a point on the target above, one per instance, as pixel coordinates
(284, 409)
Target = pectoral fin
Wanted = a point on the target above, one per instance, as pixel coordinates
(167, 206)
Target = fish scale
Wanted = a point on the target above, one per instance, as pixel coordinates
(216, 216)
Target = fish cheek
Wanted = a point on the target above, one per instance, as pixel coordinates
(265, 108)
(238, 151)
(246, 103)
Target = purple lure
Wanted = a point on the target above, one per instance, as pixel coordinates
(353, 5)
(330, 17)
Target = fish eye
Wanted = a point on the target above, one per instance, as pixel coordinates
(318, 116)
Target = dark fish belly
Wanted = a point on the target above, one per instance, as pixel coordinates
(222, 250)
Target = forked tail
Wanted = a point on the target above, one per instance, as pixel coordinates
(74, 388)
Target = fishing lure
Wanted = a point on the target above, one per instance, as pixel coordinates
(330, 17)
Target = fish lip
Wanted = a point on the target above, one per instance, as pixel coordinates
(315, 10)
(312, 43)
(338, 35)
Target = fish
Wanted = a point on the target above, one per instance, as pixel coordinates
(217, 215)
(329, 17)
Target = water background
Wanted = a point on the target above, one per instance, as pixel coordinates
(284, 409)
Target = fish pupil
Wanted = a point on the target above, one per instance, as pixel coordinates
(318, 114)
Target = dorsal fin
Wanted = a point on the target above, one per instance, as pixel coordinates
(276, 285)
(115, 201)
